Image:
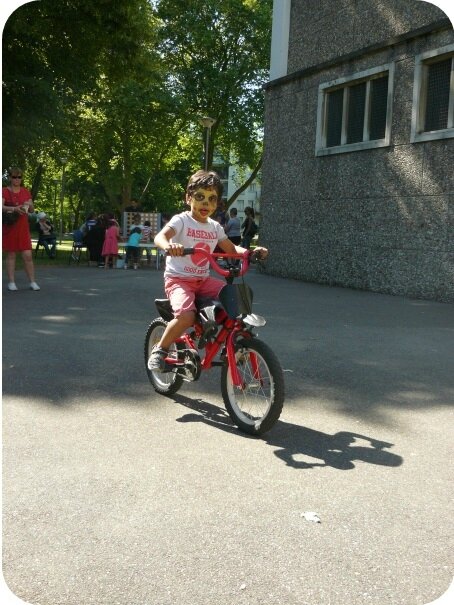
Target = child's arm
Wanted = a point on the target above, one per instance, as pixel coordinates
(162, 240)
(229, 247)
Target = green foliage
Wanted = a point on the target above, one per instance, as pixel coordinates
(117, 88)
(217, 53)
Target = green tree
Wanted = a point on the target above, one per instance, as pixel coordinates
(118, 87)
(217, 57)
(54, 52)
(84, 83)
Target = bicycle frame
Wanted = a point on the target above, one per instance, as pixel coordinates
(230, 329)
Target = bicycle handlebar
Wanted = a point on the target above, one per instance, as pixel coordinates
(211, 257)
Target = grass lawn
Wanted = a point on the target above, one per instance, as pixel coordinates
(62, 259)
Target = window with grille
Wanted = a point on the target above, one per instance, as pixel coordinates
(433, 95)
(355, 113)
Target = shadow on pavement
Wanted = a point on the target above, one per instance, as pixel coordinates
(298, 446)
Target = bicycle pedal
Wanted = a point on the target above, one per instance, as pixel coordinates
(172, 367)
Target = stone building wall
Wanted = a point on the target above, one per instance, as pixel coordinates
(377, 219)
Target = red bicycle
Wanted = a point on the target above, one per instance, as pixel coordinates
(252, 381)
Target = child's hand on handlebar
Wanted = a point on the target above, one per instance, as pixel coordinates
(259, 253)
(174, 249)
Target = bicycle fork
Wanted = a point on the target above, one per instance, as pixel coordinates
(234, 373)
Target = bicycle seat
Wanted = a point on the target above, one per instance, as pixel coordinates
(206, 308)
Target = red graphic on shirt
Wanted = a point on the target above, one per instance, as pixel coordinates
(197, 258)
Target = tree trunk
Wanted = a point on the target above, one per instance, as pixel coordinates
(37, 181)
(245, 185)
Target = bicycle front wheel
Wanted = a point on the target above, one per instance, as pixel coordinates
(256, 405)
(165, 383)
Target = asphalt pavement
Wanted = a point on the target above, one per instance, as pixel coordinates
(113, 495)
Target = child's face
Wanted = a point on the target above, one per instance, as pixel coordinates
(203, 203)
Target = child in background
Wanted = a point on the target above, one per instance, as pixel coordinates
(136, 222)
(132, 247)
(146, 238)
(110, 246)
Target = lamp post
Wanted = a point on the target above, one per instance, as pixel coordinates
(62, 194)
(54, 214)
(207, 123)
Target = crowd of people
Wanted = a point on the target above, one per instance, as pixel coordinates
(239, 233)
(100, 233)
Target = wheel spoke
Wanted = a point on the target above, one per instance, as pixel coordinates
(256, 404)
(163, 382)
(254, 398)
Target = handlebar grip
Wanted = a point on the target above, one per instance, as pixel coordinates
(186, 251)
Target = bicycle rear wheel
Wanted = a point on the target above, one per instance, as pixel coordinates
(257, 405)
(165, 383)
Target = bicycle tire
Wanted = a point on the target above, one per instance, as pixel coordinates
(256, 407)
(164, 383)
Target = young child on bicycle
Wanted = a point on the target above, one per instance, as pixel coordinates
(187, 277)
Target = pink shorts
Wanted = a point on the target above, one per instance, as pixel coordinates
(182, 292)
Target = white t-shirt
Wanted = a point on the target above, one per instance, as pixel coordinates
(192, 234)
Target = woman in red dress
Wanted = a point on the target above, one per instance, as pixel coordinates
(16, 237)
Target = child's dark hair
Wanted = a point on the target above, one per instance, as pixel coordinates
(136, 230)
(203, 179)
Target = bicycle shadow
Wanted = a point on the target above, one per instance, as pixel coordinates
(304, 448)
(207, 413)
(298, 446)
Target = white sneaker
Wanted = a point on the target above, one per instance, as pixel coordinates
(156, 361)
(34, 286)
(12, 286)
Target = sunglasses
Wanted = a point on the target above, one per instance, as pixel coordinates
(16, 176)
